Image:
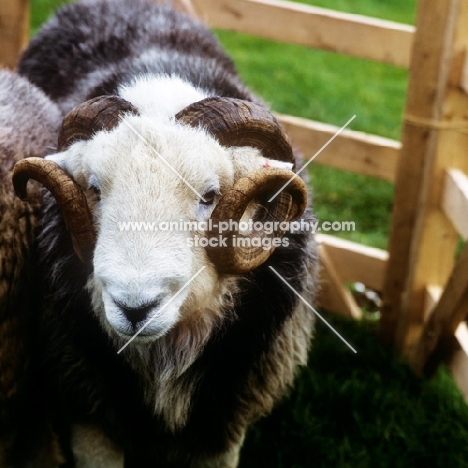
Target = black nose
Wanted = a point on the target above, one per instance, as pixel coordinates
(138, 314)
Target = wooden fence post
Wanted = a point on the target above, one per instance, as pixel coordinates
(14, 30)
(423, 240)
(446, 316)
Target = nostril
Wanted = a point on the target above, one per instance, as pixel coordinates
(137, 314)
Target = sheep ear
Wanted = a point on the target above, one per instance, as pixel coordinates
(66, 163)
(246, 160)
(265, 162)
(73, 164)
(58, 158)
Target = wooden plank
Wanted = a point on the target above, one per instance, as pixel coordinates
(14, 30)
(283, 21)
(454, 202)
(355, 262)
(352, 151)
(431, 298)
(463, 74)
(184, 6)
(422, 239)
(333, 295)
(461, 334)
(446, 316)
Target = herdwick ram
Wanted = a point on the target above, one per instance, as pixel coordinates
(159, 129)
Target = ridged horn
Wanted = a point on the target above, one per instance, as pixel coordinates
(87, 118)
(235, 122)
(245, 253)
(81, 123)
(69, 195)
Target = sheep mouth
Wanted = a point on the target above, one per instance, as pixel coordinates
(145, 321)
(151, 326)
(143, 331)
(141, 337)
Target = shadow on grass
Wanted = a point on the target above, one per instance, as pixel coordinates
(364, 410)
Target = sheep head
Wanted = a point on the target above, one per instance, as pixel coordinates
(102, 113)
(218, 129)
(232, 122)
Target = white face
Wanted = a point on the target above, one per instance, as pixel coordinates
(147, 171)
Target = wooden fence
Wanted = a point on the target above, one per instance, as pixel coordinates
(424, 285)
(14, 30)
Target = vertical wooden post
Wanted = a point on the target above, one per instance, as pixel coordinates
(445, 317)
(14, 30)
(423, 241)
(185, 6)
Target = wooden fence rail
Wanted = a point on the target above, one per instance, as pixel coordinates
(282, 21)
(351, 151)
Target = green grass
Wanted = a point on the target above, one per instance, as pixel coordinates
(321, 85)
(342, 196)
(41, 10)
(346, 410)
(361, 411)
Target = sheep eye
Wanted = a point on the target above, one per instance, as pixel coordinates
(208, 198)
(96, 190)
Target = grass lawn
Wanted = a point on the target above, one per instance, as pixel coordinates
(361, 411)
(346, 410)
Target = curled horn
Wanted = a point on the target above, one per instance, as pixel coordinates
(240, 257)
(234, 122)
(87, 118)
(81, 123)
(70, 199)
